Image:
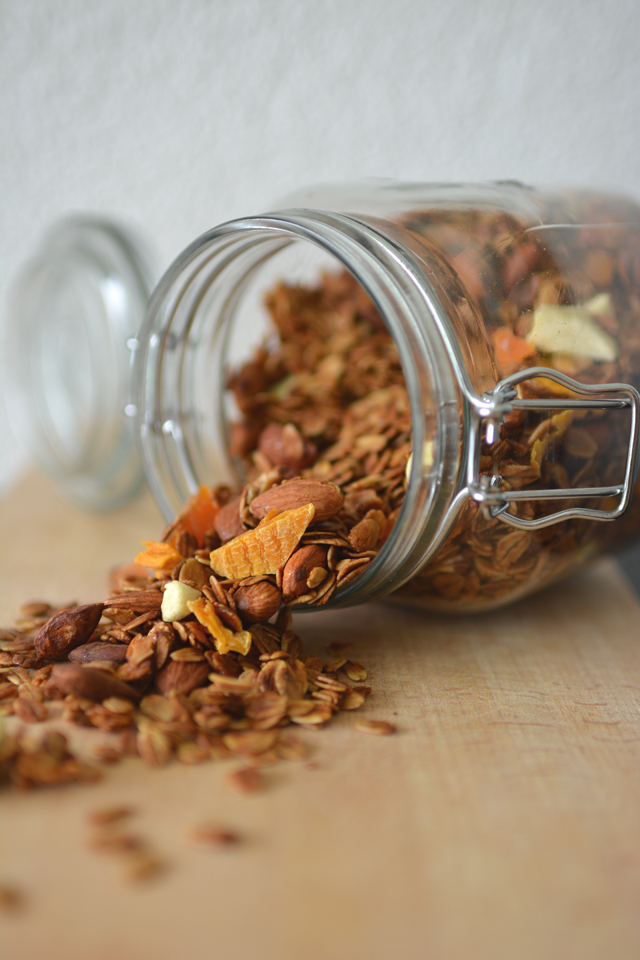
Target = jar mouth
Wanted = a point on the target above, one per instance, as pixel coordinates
(77, 308)
(188, 333)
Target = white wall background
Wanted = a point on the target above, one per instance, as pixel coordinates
(178, 114)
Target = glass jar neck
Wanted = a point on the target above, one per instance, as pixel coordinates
(183, 352)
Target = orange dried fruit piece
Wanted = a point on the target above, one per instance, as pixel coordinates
(198, 515)
(158, 556)
(510, 349)
(264, 549)
(225, 640)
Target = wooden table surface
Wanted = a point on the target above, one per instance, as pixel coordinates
(502, 821)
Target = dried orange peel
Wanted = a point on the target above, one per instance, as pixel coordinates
(158, 556)
(225, 640)
(264, 549)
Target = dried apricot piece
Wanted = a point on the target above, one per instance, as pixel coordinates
(509, 348)
(158, 556)
(198, 515)
(264, 549)
(224, 639)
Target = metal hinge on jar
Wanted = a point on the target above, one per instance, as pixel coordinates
(491, 410)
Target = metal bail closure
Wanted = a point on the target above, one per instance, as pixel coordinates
(492, 408)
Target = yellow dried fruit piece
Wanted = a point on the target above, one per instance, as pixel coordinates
(225, 640)
(571, 330)
(266, 548)
(158, 556)
(427, 459)
(551, 429)
(175, 598)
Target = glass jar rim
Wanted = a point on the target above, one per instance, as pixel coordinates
(403, 295)
(70, 338)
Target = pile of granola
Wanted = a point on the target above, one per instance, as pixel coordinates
(192, 655)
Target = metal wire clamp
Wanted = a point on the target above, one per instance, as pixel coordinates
(492, 409)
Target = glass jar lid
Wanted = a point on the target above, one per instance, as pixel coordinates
(71, 338)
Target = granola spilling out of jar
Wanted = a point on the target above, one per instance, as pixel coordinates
(194, 684)
(192, 655)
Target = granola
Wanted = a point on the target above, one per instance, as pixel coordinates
(211, 678)
(192, 656)
(328, 401)
(566, 298)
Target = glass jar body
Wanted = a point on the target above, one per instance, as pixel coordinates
(475, 285)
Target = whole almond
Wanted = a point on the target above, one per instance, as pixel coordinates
(228, 522)
(243, 438)
(138, 601)
(298, 569)
(67, 630)
(285, 447)
(117, 652)
(183, 676)
(225, 664)
(364, 535)
(326, 497)
(258, 601)
(87, 683)
(35, 608)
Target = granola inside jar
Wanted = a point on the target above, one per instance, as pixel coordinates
(462, 362)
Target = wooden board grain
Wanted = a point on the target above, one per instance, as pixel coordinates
(501, 821)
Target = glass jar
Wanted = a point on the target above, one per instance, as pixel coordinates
(69, 343)
(516, 317)
(514, 314)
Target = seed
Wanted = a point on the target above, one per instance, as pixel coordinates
(325, 496)
(35, 608)
(11, 899)
(191, 753)
(250, 743)
(88, 683)
(67, 630)
(144, 866)
(118, 705)
(108, 815)
(378, 727)
(112, 842)
(181, 676)
(214, 837)
(187, 655)
(104, 753)
(245, 780)
(89, 652)
(352, 701)
(290, 747)
(355, 671)
(258, 601)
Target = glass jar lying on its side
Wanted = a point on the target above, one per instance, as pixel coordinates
(469, 380)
